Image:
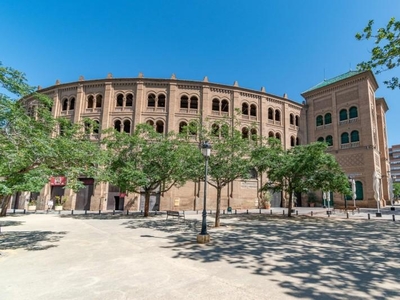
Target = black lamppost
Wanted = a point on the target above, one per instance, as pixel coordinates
(391, 193)
(204, 237)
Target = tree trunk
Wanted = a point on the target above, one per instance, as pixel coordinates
(290, 204)
(146, 203)
(217, 222)
(4, 204)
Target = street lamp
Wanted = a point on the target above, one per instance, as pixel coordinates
(204, 237)
(391, 193)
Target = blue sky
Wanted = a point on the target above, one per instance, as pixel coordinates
(287, 46)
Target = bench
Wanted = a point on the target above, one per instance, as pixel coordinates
(348, 208)
(175, 213)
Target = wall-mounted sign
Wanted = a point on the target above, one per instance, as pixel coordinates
(58, 181)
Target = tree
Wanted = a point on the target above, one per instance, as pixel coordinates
(149, 162)
(386, 53)
(396, 190)
(230, 158)
(31, 147)
(299, 169)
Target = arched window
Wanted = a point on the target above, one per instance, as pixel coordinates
(96, 127)
(224, 130)
(278, 136)
(129, 100)
(151, 100)
(297, 141)
(150, 122)
(328, 118)
(292, 141)
(245, 133)
(184, 102)
(253, 132)
(245, 109)
(319, 121)
(353, 113)
(65, 104)
(215, 130)
(359, 190)
(161, 100)
(270, 114)
(194, 102)
(117, 125)
(253, 110)
(127, 126)
(321, 139)
(225, 105)
(354, 136)
(277, 115)
(344, 138)
(120, 100)
(90, 101)
(160, 126)
(215, 105)
(291, 119)
(99, 100)
(270, 134)
(88, 127)
(72, 103)
(343, 115)
(193, 128)
(182, 126)
(329, 140)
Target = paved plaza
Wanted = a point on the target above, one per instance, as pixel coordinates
(251, 256)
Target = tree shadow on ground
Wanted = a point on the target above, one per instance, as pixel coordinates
(109, 216)
(315, 258)
(10, 223)
(30, 240)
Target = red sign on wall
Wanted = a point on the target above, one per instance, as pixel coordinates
(58, 181)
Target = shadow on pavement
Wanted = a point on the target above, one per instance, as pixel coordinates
(309, 257)
(30, 240)
(10, 223)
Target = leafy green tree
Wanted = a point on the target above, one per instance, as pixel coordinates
(386, 53)
(299, 169)
(230, 158)
(149, 162)
(31, 148)
(396, 190)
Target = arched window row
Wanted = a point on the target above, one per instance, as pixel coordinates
(277, 135)
(350, 140)
(157, 125)
(188, 128)
(294, 120)
(294, 141)
(274, 115)
(219, 130)
(249, 111)
(123, 126)
(323, 120)
(124, 100)
(189, 104)
(249, 133)
(94, 101)
(156, 102)
(92, 126)
(220, 107)
(328, 140)
(68, 104)
(350, 115)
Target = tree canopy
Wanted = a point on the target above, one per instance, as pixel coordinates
(149, 162)
(386, 53)
(299, 169)
(34, 145)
